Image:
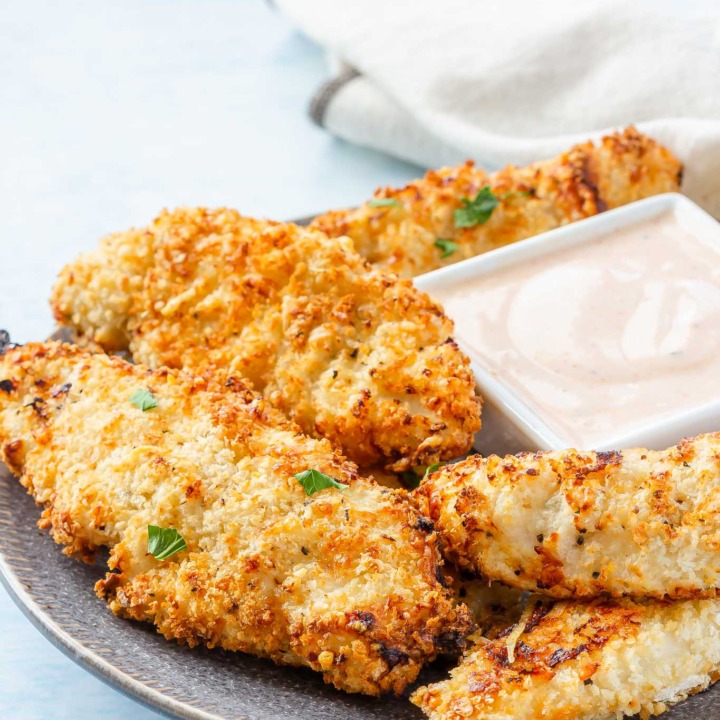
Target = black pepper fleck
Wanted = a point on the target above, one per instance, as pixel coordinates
(392, 656)
(61, 390)
(440, 577)
(425, 524)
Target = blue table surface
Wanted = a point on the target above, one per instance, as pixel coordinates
(110, 112)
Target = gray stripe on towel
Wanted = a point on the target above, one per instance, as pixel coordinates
(322, 98)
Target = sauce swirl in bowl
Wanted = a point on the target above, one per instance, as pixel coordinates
(600, 338)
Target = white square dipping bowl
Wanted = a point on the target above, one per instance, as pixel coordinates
(509, 425)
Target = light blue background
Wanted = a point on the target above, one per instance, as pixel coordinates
(108, 113)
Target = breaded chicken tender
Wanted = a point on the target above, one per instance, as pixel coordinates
(345, 581)
(584, 661)
(580, 524)
(350, 353)
(413, 230)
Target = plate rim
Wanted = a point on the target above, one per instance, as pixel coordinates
(86, 658)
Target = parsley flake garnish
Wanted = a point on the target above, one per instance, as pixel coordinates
(448, 247)
(163, 543)
(144, 400)
(431, 469)
(478, 210)
(313, 481)
(383, 202)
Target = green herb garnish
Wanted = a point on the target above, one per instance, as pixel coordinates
(478, 210)
(448, 247)
(383, 202)
(431, 469)
(144, 400)
(163, 543)
(313, 481)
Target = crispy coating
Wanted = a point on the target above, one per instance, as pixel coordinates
(348, 352)
(580, 524)
(347, 582)
(492, 606)
(584, 661)
(584, 181)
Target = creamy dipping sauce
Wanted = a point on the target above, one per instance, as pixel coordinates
(604, 337)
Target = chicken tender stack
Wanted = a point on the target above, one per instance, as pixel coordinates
(348, 352)
(639, 525)
(586, 582)
(415, 229)
(346, 581)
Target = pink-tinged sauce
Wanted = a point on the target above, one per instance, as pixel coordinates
(605, 337)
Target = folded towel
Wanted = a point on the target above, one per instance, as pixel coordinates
(514, 82)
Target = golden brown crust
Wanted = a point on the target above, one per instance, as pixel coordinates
(584, 661)
(345, 582)
(584, 181)
(580, 524)
(348, 352)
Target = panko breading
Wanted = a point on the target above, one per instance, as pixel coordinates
(580, 524)
(348, 352)
(347, 582)
(492, 606)
(402, 233)
(584, 661)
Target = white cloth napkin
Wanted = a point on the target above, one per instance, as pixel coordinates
(438, 81)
